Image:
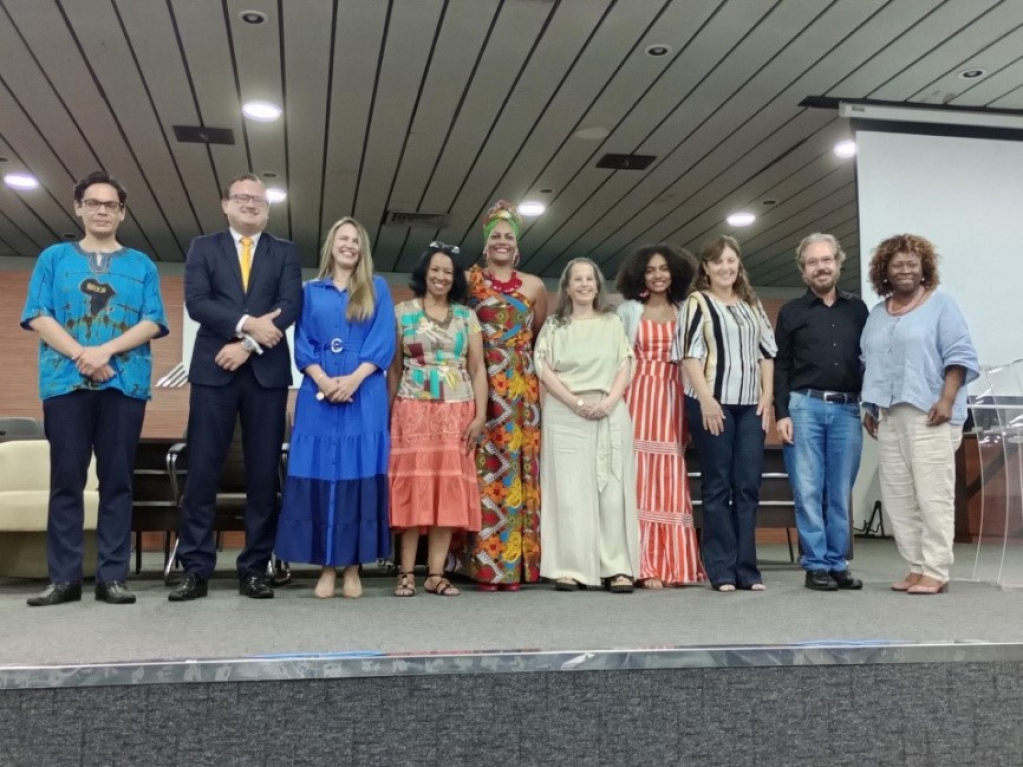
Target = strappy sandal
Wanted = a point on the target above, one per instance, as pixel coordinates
(620, 584)
(442, 588)
(406, 585)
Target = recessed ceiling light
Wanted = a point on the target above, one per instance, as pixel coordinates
(972, 73)
(3, 159)
(531, 208)
(741, 219)
(546, 190)
(269, 174)
(658, 49)
(593, 133)
(261, 111)
(70, 235)
(274, 194)
(845, 148)
(21, 181)
(252, 17)
(770, 202)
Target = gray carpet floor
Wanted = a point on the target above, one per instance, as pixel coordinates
(225, 625)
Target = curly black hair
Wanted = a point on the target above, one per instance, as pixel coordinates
(903, 243)
(459, 286)
(631, 280)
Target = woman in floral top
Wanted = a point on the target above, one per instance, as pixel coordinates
(438, 387)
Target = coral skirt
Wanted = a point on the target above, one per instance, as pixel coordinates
(433, 480)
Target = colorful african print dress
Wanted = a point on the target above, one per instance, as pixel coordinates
(669, 549)
(507, 548)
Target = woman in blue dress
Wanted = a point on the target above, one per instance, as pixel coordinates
(335, 508)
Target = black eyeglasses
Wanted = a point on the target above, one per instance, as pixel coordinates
(249, 199)
(453, 250)
(111, 206)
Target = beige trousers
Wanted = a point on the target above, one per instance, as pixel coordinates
(589, 528)
(917, 473)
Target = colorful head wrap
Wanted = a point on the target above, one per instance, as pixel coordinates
(502, 211)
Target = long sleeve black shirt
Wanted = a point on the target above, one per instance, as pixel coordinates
(818, 347)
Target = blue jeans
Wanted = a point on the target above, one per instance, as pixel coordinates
(822, 465)
(730, 468)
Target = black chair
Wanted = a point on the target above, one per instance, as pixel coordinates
(14, 427)
(154, 498)
(230, 515)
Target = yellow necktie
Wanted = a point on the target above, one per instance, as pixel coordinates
(246, 261)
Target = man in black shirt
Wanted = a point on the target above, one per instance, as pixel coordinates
(817, 380)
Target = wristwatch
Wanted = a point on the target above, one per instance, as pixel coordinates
(249, 345)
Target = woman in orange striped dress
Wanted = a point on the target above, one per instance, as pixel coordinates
(654, 280)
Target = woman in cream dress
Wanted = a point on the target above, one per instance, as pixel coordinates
(588, 522)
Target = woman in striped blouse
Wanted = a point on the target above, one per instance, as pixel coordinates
(727, 348)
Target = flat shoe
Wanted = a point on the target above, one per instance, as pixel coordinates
(620, 584)
(934, 587)
(910, 580)
(566, 584)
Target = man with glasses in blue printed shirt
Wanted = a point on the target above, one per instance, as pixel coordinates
(95, 305)
(817, 381)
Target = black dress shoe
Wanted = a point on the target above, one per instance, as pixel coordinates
(819, 580)
(114, 593)
(57, 594)
(255, 587)
(845, 580)
(191, 587)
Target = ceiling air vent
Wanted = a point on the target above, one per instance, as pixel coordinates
(417, 219)
(626, 161)
(200, 134)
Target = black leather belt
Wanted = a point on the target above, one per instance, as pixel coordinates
(837, 397)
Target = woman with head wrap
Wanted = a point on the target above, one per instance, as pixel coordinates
(511, 307)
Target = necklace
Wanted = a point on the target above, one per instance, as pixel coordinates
(502, 286)
(433, 318)
(898, 312)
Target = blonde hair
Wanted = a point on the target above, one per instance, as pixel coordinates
(563, 313)
(361, 295)
(712, 251)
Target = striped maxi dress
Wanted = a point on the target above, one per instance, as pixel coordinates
(669, 549)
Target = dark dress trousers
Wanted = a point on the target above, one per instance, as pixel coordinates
(256, 393)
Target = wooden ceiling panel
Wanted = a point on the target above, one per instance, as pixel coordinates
(442, 106)
(308, 35)
(507, 52)
(111, 61)
(796, 168)
(410, 31)
(1000, 81)
(524, 167)
(553, 58)
(459, 46)
(975, 25)
(703, 66)
(718, 146)
(358, 36)
(153, 37)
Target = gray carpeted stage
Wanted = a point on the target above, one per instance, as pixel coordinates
(225, 625)
(786, 678)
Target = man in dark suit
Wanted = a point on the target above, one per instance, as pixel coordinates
(244, 288)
